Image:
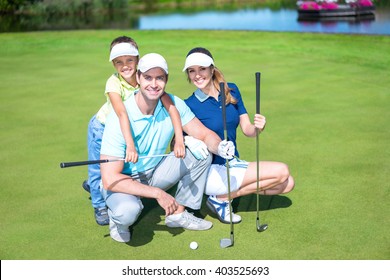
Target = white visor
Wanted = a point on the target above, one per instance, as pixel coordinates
(199, 59)
(123, 49)
(152, 60)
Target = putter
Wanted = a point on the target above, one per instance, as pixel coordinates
(226, 242)
(260, 227)
(87, 162)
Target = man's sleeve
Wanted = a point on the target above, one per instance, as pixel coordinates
(113, 142)
(185, 112)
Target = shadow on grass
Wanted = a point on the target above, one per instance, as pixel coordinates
(142, 232)
(248, 203)
(149, 221)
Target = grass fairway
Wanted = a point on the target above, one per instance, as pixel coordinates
(327, 103)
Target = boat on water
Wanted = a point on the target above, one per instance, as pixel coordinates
(330, 9)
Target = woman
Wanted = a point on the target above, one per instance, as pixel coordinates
(205, 102)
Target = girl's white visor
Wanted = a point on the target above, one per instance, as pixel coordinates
(123, 49)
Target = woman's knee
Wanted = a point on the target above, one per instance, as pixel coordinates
(290, 184)
(283, 173)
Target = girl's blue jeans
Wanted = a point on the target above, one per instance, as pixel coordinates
(94, 142)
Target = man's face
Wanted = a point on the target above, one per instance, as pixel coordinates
(152, 83)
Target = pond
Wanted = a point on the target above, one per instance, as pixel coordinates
(267, 20)
(255, 19)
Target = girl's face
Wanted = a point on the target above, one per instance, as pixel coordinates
(200, 76)
(126, 66)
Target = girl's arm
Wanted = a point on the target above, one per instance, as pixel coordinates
(120, 110)
(179, 148)
(248, 128)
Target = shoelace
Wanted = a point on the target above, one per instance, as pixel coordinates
(191, 218)
(102, 211)
(224, 206)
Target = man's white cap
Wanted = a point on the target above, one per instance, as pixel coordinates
(152, 60)
(123, 49)
(199, 59)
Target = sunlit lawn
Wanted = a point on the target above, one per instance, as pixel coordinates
(326, 99)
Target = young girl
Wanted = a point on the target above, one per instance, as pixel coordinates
(205, 102)
(124, 56)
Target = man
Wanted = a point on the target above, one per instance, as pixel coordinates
(125, 183)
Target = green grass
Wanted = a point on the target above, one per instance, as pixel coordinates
(326, 99)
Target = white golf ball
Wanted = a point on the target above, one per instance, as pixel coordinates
(193, 245)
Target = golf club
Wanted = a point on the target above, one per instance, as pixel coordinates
(260, 227)
(226, 242)
(79, 163)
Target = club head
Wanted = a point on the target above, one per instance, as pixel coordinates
(226, 242)
(261, 228)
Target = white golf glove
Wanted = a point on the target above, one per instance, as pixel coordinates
(197, 147)
(226, 149)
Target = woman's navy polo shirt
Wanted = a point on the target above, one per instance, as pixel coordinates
(209, 112)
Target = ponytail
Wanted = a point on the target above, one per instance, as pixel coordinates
(219, 78)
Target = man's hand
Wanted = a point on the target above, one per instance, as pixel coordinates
(226, 149)
(197, 147)
(167, 202)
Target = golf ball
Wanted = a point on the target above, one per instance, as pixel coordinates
(193, 245)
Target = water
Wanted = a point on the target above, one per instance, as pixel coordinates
(261, 19)
(265, 20)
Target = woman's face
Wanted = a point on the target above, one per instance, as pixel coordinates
(200, 76)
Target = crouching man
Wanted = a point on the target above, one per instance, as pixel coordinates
(125, 183)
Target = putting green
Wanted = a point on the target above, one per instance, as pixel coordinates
(326, 99)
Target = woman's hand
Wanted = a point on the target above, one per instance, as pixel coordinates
(259, 122)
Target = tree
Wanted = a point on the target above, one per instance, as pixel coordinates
(11, 6)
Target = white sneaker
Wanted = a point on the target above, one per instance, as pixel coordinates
(222, 209)
(188, 221)
(119, 233)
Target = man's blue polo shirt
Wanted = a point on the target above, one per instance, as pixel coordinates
(151, 133)
(209, 112)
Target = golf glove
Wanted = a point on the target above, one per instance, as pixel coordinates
(226, 149)
(197, 147)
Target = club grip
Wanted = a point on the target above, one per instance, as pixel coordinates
(257, 74)
(223, 105)
(78, 163)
